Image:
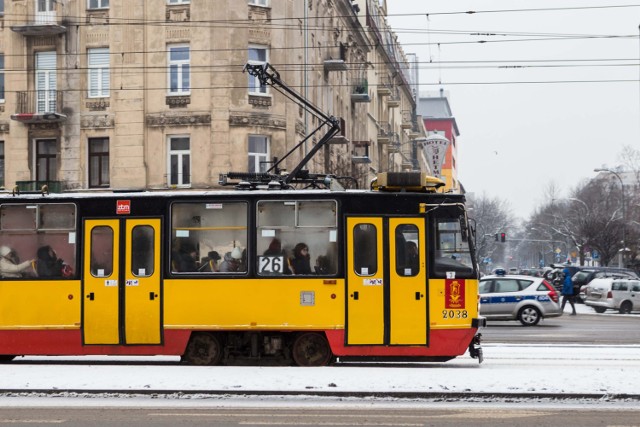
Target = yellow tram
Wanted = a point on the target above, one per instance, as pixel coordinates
(301, 276)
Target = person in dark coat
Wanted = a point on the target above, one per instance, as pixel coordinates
(301, 262)
(48, 264)
(567, 291)
(186, 258)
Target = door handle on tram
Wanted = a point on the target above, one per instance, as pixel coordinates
(91, 296)
(419, 296)
(355, 295)
(152, 296)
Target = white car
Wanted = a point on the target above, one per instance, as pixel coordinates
(616, 294)
(524, 298)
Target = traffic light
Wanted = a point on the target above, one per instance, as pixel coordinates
(503, 237)
(497, 238)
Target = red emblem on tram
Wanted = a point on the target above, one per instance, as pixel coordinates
(454, 293)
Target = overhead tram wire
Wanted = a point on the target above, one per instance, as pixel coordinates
(233, 23)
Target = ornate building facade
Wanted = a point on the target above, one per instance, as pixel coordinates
(115, 94)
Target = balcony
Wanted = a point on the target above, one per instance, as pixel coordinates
(385, 86)
(360, 153)
(39, 106)
(336, 60)
(340, 137)
(384, 133)
(394, 98)
(407, 119)
(41, 24)
(360, 92)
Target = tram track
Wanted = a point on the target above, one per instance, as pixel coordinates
(439, 397)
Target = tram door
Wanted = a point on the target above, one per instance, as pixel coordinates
(122, 300)
(386, 281)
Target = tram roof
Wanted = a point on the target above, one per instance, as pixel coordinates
(7, 196)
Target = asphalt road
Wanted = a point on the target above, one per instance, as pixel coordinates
(231, 417)
(589, 329)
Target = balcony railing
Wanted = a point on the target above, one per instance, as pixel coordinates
(39, 186)
(38, 106)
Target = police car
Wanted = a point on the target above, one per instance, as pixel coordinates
(524, 298)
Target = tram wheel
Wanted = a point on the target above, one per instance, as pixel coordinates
(203, 349)
(311, 349)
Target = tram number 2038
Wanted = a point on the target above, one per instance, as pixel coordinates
(454, 314)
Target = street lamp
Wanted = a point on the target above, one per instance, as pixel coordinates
(624, 217)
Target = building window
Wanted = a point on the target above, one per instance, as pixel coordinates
(1, 7)
(178, 1)
(258, 153)
(259, 2)
(179, 161)
(99, 74)
(46, 81)
(98, 162)
(1, 163)
(258, 55)
(179, 70)
(46, 159)
(98, 4)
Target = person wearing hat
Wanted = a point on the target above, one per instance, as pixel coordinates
(210, 262)
(10, 265)
(231, 261)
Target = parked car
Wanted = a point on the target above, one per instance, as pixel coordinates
(524, 298)
(585, 276)
(617, 294)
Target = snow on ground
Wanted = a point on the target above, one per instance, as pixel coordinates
(528, 369)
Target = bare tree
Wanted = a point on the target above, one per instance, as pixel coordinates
(492, 217)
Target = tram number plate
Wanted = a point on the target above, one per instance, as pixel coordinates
(455, 314)
(271, 264)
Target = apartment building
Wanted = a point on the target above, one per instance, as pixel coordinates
(122, 94)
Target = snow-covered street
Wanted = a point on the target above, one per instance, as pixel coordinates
(518, 369)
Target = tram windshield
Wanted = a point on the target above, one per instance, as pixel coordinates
(452, 254)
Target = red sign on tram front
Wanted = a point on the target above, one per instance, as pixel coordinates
(454, 293)
(123, 207)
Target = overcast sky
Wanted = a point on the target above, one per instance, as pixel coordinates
(572, 116)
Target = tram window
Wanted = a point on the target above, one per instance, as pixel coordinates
(18, 217)
(407, 250)
(43, 233)
(297, 237)
(365, 249)
(101, 251)
(142, 251)
(57, 217)
(209, 238)
(452, 255)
